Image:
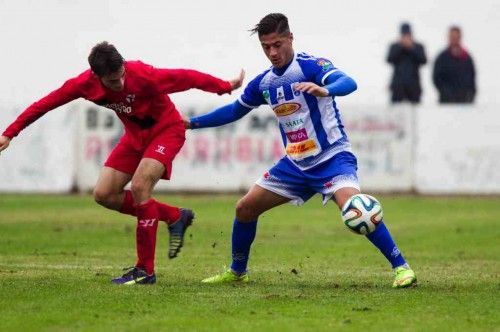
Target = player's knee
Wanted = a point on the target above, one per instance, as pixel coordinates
(140, 188)
(245, 211)
(101, 196)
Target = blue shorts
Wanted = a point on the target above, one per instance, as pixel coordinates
(287, 180)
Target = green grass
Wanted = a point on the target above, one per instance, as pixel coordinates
(58, 254)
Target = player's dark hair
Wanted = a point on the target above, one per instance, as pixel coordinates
(104, 59)
(275, 22)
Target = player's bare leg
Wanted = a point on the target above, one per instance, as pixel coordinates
(341, 196)
(108, 190)
(147, 175)
(382, 239)
(257, 201)
(110, 193)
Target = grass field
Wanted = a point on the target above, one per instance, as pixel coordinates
(58, 254)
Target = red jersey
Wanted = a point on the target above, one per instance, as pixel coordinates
(143, 105)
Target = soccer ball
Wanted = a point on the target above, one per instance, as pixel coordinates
(362, 213)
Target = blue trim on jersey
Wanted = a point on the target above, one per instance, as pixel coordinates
(312, 69)
(337, 116)
(283, 135)
(287, 90)
(273, 96)
(315, 113)
(252, 95)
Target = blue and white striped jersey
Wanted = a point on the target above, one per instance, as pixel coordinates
(310, 126)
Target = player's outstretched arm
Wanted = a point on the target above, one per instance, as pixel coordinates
(66, 93)
(177, 80)
(4, 142)
(221, 116)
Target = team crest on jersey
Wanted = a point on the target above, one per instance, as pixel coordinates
(265, 94)
(286, 109)
(325, 64)
(130, 98)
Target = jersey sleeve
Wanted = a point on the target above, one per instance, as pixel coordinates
(252, 97)
(318, 69)
(66, 93)
(176, 80)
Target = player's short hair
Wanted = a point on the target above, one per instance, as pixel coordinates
(104, 59)
(275, 22)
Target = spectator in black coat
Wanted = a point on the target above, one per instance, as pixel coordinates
(406, 56)
(454, 75)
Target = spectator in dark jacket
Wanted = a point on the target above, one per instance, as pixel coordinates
(454, 75)
(406, 56)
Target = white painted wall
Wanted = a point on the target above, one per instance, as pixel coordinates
(46, 42)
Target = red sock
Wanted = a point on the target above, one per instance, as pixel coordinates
(128, 205)
(147, 225)
(167, 213)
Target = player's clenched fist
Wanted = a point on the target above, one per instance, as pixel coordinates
(4, 142)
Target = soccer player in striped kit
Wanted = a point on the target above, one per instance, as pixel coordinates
(154, 134)
(301, 90)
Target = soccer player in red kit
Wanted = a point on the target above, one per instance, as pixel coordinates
(154, 134)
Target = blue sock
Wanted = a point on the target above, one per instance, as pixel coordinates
(382, 239)
(243, 236)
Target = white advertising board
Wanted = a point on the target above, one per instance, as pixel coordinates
(232, 157)
(381, 138)
(458, 150)
(41, 158)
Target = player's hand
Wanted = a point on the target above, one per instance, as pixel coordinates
(4, 142)
(187, 122)
(237, 82)
(311, 88)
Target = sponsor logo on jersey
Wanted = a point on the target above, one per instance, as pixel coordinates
(119, 107)
(160, 149)
(286, 109)
(301, 149)
(297, 136)
(293, 124)
(325, 64)
(130, 98)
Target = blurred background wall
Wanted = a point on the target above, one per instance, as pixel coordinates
(46, 42)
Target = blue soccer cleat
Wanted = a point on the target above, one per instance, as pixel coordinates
(177, 231)
(135, 276)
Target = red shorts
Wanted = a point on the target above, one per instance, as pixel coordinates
(162, 147)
